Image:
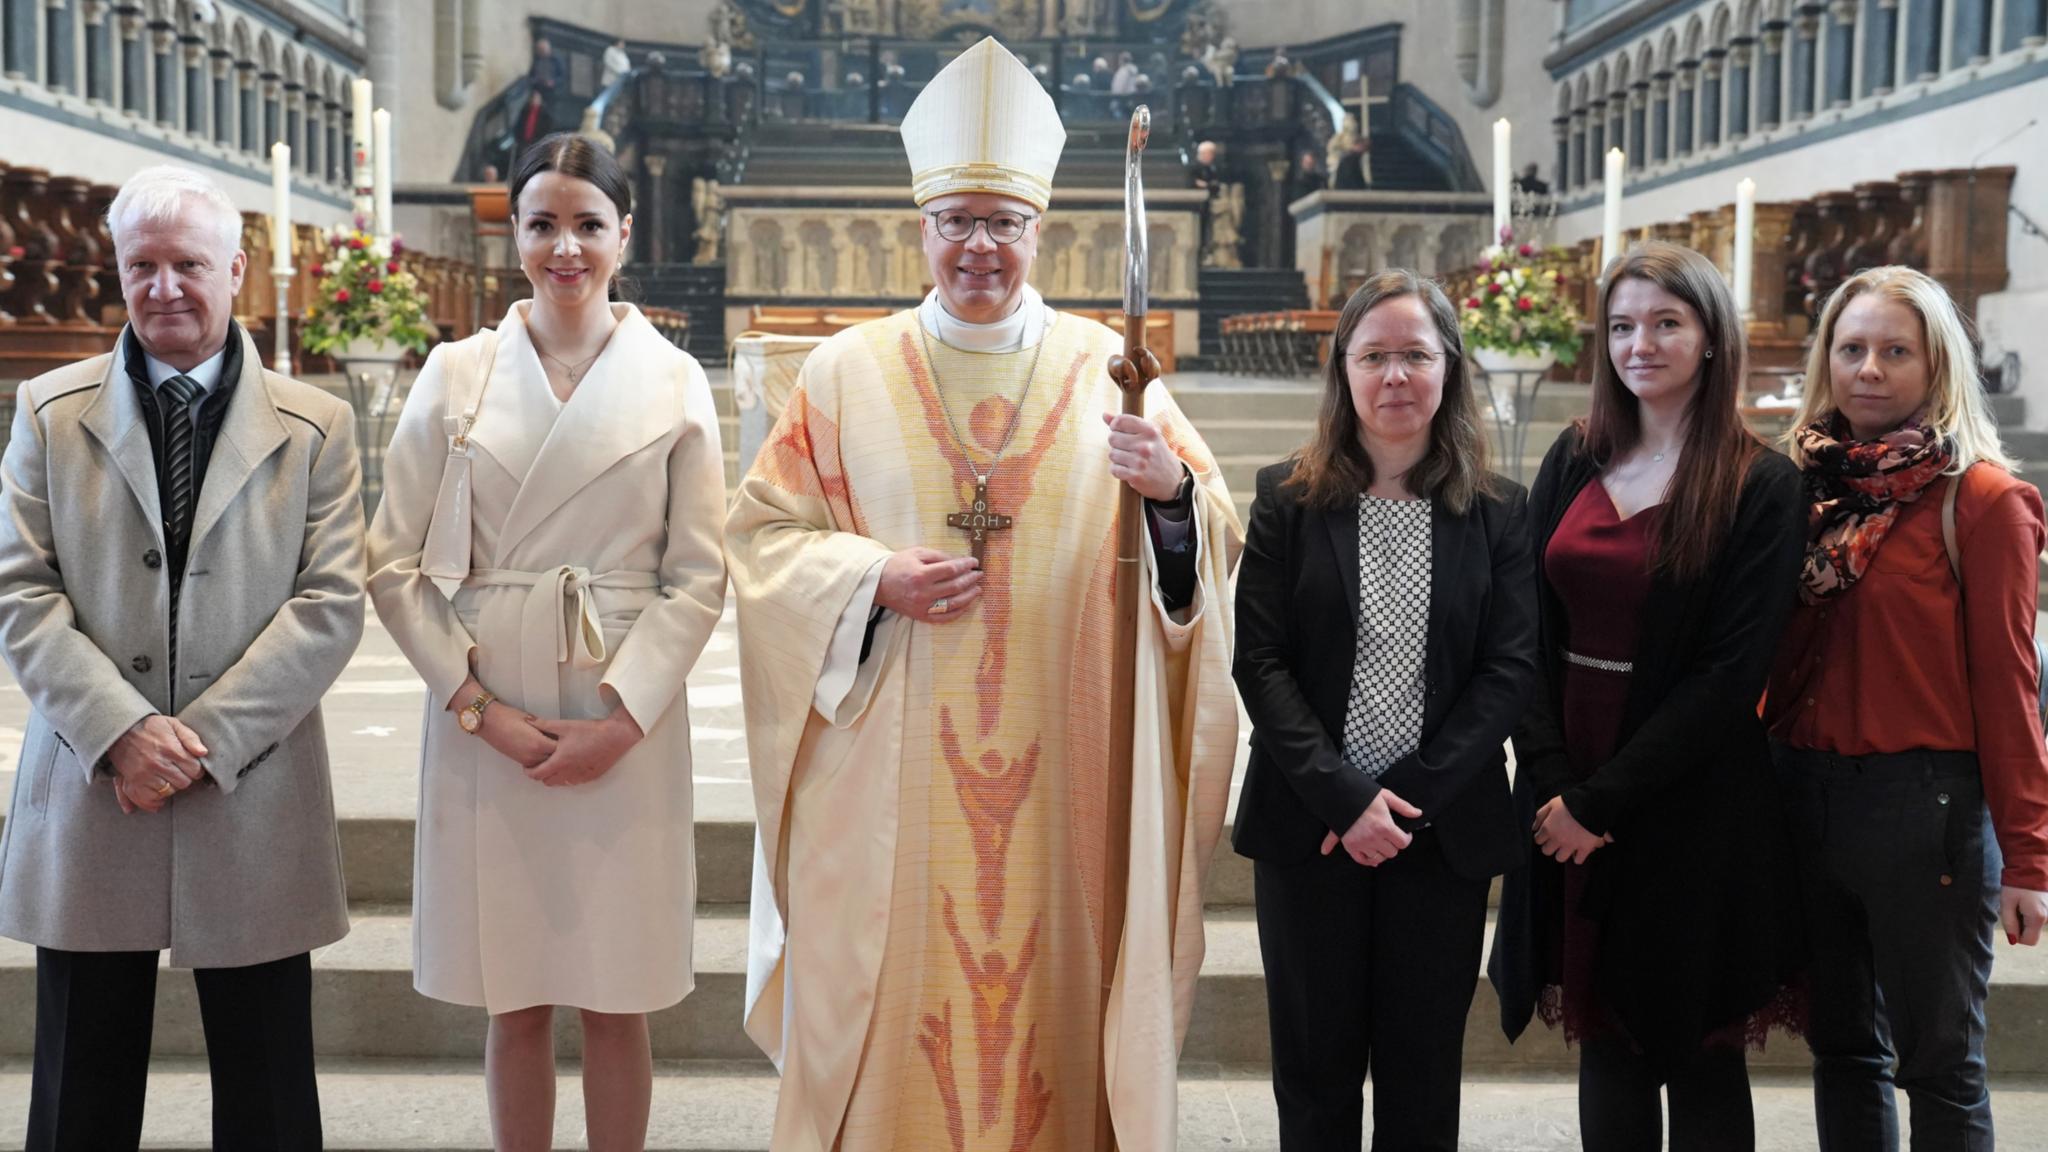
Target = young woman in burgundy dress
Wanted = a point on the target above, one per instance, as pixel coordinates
(1667, 540)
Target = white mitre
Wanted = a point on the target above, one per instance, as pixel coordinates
(984, 124)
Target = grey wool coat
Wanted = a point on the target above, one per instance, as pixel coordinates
(244, 867)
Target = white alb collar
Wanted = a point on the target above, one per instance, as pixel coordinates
(1021, 329)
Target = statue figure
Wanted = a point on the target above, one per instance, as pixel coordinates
(1226, 223)
(707, 207)
(1221, 61)
(1340, 146)
(729, 34)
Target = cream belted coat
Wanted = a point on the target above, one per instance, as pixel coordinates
(595, 562)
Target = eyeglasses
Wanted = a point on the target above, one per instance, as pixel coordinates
(1375, 362)
(956, 225)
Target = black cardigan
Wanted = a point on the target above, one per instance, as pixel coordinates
(1297, 617)
(1689, 894)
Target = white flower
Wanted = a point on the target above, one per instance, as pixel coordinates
(381, 249)
(1501, 278)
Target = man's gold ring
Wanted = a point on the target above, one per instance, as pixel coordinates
(163, 788)
(939, 606)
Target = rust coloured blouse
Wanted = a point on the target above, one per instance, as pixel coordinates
(1907, 659)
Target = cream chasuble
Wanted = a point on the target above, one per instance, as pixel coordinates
(927, 907)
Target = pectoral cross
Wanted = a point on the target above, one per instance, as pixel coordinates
(977, 521)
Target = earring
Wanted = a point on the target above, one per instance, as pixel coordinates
(1710, 353)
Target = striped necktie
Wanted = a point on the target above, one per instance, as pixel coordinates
(178, 394)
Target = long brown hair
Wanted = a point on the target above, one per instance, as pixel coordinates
(1700, 504)
(1332, 469)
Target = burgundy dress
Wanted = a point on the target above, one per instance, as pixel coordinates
(1599, 566)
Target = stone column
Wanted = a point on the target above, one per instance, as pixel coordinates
(1740, 52)
(59, 24)
(1596, 142)
(310, 104)
(1578, 157)
(19, 20)
(1638, 123)
(290, 105)
(1972, 45)
(163, 39)
(1923, 41)
(1805, 64)
(223, 66)
(273, 112)
(196, 77)
(1711, 90)
(332, 151)
(1688, 79)
(1561, 127)
(99, 52)
(381, 31)
(1881, 50)
(1770, 79)
(250, 116)
(1842, 53)
(1660, 117)
(134, 63)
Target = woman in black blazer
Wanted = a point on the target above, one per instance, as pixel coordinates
(1385, 648)
(1668, 543)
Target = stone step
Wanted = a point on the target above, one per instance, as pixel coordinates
(414, 1106)
(364, 1005)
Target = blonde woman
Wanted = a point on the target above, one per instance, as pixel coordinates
(554, 855)
(1903, 707)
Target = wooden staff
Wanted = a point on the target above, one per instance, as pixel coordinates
(1133, 372)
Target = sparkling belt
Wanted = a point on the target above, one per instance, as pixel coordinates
(553, 598)
(1597, 664)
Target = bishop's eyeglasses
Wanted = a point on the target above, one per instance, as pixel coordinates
(956, 225)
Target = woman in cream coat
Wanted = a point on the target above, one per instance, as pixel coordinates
(554, 851)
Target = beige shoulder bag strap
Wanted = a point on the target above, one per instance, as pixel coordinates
(444, 558)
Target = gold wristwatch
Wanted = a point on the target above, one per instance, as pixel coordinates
(472, 717)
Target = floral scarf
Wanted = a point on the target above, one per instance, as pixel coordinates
(1856, 488)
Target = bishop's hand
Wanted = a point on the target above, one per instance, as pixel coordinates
(927, 584)
(1140, 456)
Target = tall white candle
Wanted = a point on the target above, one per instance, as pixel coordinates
(381, 171)
(281, 207)
(1745, 244)
(1610, 216)
(1503, 177)
(359, 131)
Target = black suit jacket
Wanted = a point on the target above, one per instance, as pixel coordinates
(1297, 619)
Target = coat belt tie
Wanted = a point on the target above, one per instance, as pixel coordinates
(558, 602)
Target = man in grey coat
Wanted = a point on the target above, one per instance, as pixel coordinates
(181, 579)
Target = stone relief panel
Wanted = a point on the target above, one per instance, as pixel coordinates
(830, 252)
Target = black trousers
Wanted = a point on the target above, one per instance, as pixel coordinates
(1899, 871)
(1369, 970)
(1621, 1105)
(94, 1015)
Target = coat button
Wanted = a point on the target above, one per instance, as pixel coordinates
(140, 663)
(152, 559)
(1947, 880)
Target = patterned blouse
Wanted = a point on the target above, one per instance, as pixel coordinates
(1383, 721)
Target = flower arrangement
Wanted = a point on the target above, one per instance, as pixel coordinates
(1515, 303)
(365, 294)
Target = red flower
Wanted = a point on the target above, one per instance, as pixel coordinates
(355, 243)
(340, 242)
(376, 286)
(1521, 302)
(341, 296)
(391, 269)
(16, 252)
(397, 245)
(1494, 289)
(1472, 302)
(319, 269)
(1527, 249)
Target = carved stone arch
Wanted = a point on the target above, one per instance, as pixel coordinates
(1164, 270)
(1720, 29)
(1580, 92)
(239, 43)
(762, 271)
(1564, 98)
(1106, 258)
(1357, 253)
(1778, 10)
(1646, 62)
(1750, 20)
(266, 53)
(820, 256)
(1600, 85)
(866, 272)
(1404, 250)
(1695, 39)
(1622, 69)
(1667, 51)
